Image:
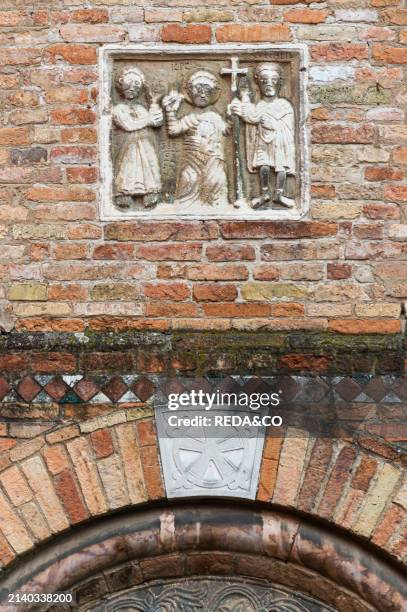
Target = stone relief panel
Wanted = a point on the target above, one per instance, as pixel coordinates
(210, 595)
(201, 458)
(214, 131)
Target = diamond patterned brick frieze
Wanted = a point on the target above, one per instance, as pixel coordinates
(376, 389)
(115, 388)
(4, 388)
(28, 388)
(143, 388)
(100, 389)
(86, 389)
(56, 388)
(288, 387)
(347, 389)
(173, 386)
(400, 388)
(314, 390)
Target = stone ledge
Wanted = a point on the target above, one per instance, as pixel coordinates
(327, 353)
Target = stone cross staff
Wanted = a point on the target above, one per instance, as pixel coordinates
(234, 72)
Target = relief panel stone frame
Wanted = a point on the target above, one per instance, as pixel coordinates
(117, 59)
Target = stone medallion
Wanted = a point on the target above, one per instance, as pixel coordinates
(205, 459)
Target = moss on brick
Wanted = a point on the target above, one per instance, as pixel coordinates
(334, 94)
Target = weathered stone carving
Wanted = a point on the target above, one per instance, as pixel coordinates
(202, 174)
(137, 172)
(203, 132)
(212, 594)
(207, 459)
(270, 143)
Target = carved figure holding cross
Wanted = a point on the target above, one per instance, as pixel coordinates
(234, 72)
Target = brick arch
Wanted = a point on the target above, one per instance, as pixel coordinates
(78, 472)
(221, 539)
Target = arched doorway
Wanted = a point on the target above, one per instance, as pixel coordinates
(220, 556)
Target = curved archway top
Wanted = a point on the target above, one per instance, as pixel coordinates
(217, 539)
(75, 473)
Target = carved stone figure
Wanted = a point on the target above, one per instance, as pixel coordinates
(137, 171)
(270, 141)
(201, 177)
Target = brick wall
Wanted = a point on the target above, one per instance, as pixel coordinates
(342, 268)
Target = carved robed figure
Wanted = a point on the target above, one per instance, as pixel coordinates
(201, 177)
(270, 144)
(136, 166)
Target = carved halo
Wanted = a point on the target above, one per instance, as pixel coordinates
(206, 77)
(135, 72)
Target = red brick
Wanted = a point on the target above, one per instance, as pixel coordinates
(213, 292)
(369, 231)
(364, 474)
(253, 33)
(363, 326)
(381, 211)
(9, 19)
(6, 444)
(388, 526)
(304, 362)
(73, 155)
(56, 388)
(48, 363)
(70, 251)
(316, 470)
(186, 34)
(383, 174)
(400, 155)
(172, 252)
(80, 231)
(58, 194)
(68, 492)
(277, 229)
(74, 54)
(102, 443)
(167, 291)
(86, 389)
(305, 15)
(333, 52)
(146, 433)
(114, 251)
(217, 272)
(339, 134)
(324, 192)
(14, 56)
(28, 388)
(82, 175)
(14, 136)
(336, 482)
(67, 292)
(6, 553)
(152, 472)
(79, 135)
(90, 16)
(236, 252)
(339, 271)
(288, 309)
(396, 192)
(237, 310)
(266, 272)
(73, 116)
(395, 16)
(56, 458)
(389, 55)
(152, 231)
(169, 309)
